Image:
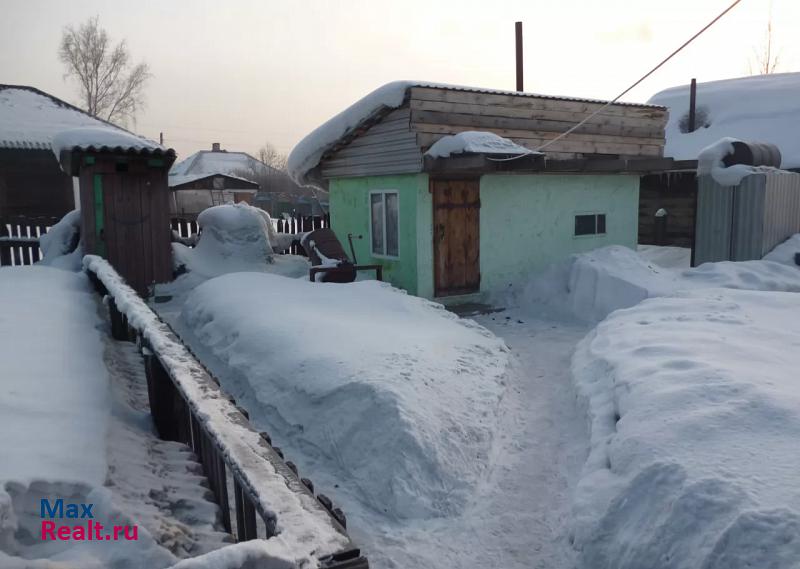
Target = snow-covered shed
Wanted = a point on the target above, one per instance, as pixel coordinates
(31, 181)
(124, 200)
(445, 186)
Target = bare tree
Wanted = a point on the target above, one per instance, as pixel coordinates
(270, 156)
(110, 86)
(766, 62)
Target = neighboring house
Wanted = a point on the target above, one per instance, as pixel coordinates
(454, 217)
(31, 181)
(217, 176)
(755, 109)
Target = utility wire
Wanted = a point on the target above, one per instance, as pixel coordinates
(648, 74)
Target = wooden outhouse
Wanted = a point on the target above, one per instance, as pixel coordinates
(124, 197)
(462, 220)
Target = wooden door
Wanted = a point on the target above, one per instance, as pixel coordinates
(134, 237)
(456, 237)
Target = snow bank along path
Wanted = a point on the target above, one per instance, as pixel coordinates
(302, 525)
(393, 390)
(694, 409)
(590, 286)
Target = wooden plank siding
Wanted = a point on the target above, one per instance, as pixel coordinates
(397, 142)
(388, 147)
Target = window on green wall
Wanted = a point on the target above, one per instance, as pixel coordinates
(384, 223)
(590, 224)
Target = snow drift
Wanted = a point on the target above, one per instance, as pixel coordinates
(590, 286)
(61, 246)
(694, 414)
(235, 238)
(731, 112)
(391, 389)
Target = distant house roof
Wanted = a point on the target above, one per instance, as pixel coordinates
(760, 108)
(30, 118)
(210, 162)
(178, 180)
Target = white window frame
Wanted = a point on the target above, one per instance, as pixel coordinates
(383, 193)
(589, 235)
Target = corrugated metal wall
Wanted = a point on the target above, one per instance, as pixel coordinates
(781, 209)
(745, 222)
(712, 240)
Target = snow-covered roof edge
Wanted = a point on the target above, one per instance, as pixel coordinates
(307, 154)
(180, 179)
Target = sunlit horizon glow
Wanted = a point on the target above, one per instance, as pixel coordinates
(247, 72)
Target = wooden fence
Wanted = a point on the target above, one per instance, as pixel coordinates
(19, 239)
(188, 406)
(19, 236)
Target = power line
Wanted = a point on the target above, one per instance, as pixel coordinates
(645, 76)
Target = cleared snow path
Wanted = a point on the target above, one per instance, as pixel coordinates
(158, 483)
(519, 518)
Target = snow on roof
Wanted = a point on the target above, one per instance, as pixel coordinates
(180, 179)
(103, 138)
(308, 152)
(30, 118)
(761, 108)
(208, 162)
(478, 142)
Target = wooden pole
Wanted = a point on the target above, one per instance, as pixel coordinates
(518, 29)
(692, 105)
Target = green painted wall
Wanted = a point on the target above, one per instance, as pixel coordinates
(528, 221)
(349, 209)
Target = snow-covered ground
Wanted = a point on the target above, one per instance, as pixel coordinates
(694, 407)
(665, 256)
(590, 286)
(666, 440)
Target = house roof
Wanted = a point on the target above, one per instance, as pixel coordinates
(370, 109)
(208, 162)
(176, 180)
(760, 108)
(30, 118)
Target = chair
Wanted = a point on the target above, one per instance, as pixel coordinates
(329, 260)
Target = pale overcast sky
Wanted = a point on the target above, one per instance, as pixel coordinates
(245, 72)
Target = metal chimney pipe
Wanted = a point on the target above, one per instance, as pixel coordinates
(518, 29)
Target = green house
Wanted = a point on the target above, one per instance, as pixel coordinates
(444, 188)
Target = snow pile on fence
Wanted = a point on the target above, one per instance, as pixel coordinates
(238, 238)
(54, 413)
(389, 388)
(61, 244)
(589, 286)
(694, 410)
(728, 109)
(55, 389)
(476, 141)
